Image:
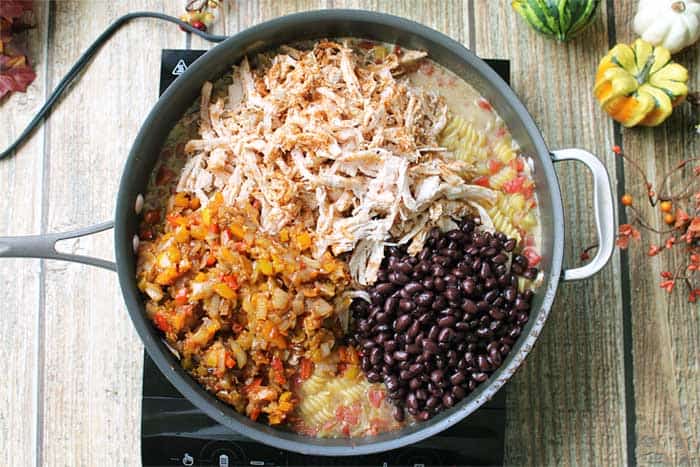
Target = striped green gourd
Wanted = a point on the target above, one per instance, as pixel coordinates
(557, 19)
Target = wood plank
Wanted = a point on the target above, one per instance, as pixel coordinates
(566, 405)
(21, 180)
(93, 357)
(665, 329)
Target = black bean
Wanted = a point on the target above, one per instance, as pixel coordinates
(423, 415)
(458, 378)
(375, 355)
(448, 401)
(405, 268)
(485, 271)
(469, 307)
(521, 304)
(490, 283)
(436, 376)
(413, 330)
(445, 335)
(412, 401)
(484, 333)
(424, 298)
(439, 303)
(491, 296)
(458, 393)
(452, 294)
(388, 359)
(447, 321)
(439, 284)
(413, 349)
(430, 346)
(391, 304)
(385, 288)
(510, 294)
(373, 376)
(402, 323)
(495, 357)
(421, 394)
(400, 356)
(413, 287)
(483, 363)
(520, 260)
(398, 413)
(509, 245)
(480, 377)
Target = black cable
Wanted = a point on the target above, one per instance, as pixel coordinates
(85, 59)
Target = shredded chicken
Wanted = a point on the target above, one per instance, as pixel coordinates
(338, 141)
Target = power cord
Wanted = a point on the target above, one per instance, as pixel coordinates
(84, 60)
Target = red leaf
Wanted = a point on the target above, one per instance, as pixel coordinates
(15, 75)
(11, 9)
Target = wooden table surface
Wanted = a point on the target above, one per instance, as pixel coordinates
(613, 380)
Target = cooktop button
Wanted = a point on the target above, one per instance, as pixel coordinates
(187, 459)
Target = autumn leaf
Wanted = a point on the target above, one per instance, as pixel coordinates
(625, 233)
(14, 9)
(15, 74)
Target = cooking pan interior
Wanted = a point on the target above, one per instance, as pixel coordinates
(314, 25)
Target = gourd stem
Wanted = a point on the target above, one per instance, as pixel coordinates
(643, 75)
(678, 7)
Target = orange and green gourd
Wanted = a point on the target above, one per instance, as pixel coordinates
(639, 84)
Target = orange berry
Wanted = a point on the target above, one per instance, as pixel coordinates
(665, 206)
(669, 218)
(626, 199)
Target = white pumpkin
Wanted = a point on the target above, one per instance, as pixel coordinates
(673, 24)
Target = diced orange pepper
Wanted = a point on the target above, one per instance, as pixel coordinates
(237, 231)
(303, 240)
(284, 235)
(195, 203)
(230, 361)
(175, 220)
(231, 280)
(211, 259)
(181, 200)
(225, 291)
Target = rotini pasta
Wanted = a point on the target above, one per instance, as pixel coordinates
(467, 144)
(343, 405)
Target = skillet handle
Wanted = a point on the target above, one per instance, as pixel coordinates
(603, 210)
(44, 246)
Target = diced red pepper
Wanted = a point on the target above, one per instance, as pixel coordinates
(398, 50)
(255, 413)
(253, 386)
(231, 280)
(376, 396)
(161, 322)
(346, 429)
(517, 164)
(366, 45)
(495, 166)
(482, 181)
(306, 368)
(181, 296)
(484, 104)
(533, 259)
(211, 259)
(278, 370)
(501, 132)
(514, 185)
